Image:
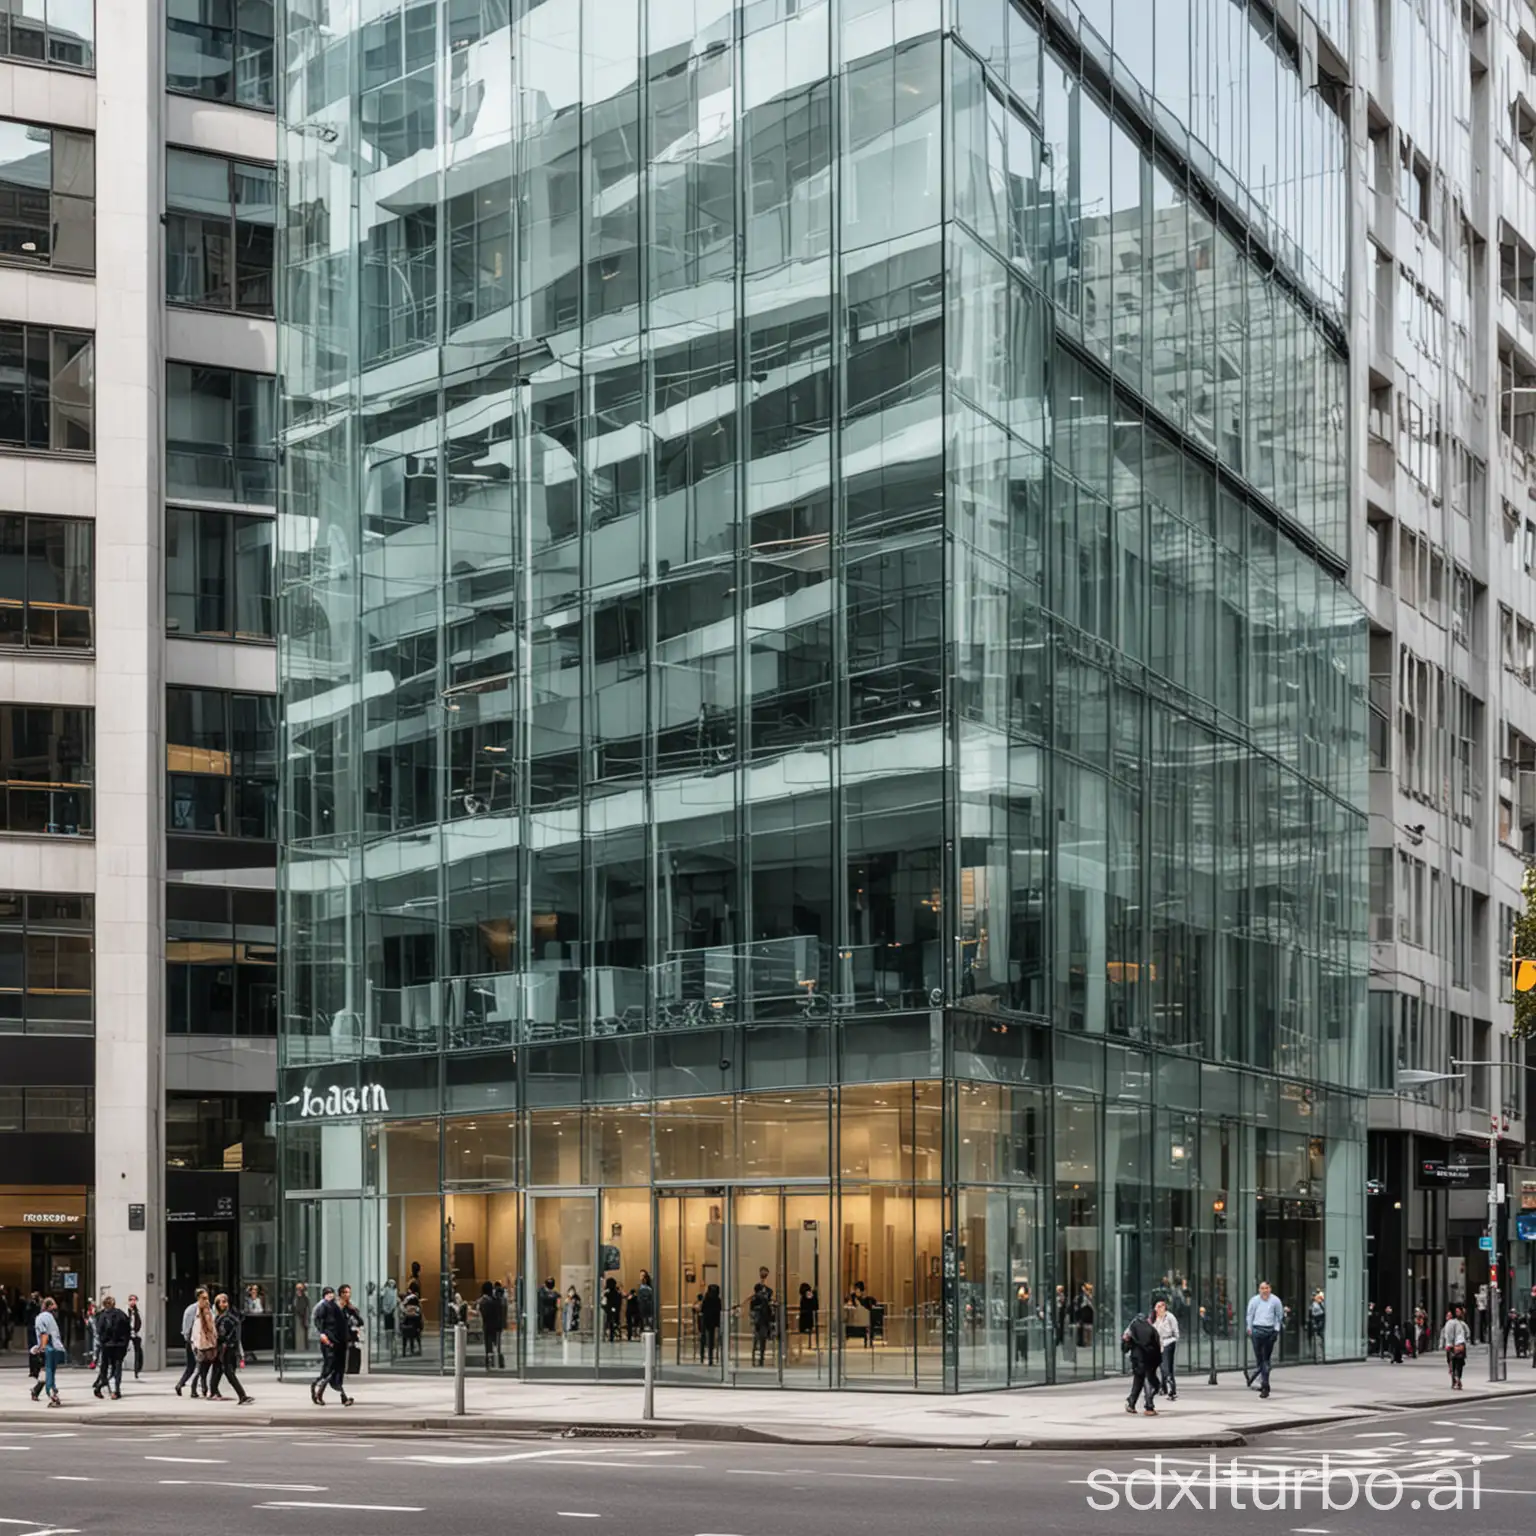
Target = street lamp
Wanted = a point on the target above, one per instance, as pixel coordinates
(1495, 1359)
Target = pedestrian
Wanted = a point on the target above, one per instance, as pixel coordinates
(1391, 1335)
(760, 1310)
(1265, 1316)
(1167, 1326)
(548, 1299)
(205, 1342)
(1482, 1313)
(5, 1318)
(570, 1312)
(1522, 1335)
(327, 1294)
(1144, 1349)
(113, 1331)
(135, 1335)
(188, 1318)
(490, 1325)
(710, 1310)
(805, 1323)
(613, 1308)
(645, 1296)
(410, 1323)
(226, 1366)
(334, 1325)
(92, 1348)
(389, 1307)
(1372, 1329)
(300, 1308)
(1454, 1338)
(1085, 1316)
(29, 1325)
(50, 1348)
(1317, 1322)
(631, 1312)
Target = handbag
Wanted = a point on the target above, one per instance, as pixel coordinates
(207, 1356)
(1458, 1349)
(354, 1360)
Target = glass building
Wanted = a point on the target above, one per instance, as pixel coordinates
(824, 723)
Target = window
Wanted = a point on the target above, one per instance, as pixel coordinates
(220, 1135)
(47, 389)
(220, 50)
(47, 197)
(66, 1111)
(221, 762)
(220, 962)
(56, 32)
(218, 574)
(219, 232)
(46, 966)
(45, 582)
(220, 435)
(45, 769)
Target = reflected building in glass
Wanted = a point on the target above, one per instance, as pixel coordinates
(824, 718)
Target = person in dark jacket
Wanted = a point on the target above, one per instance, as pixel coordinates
(492, 1322)
(1141, 1344)
(710, 1310)
(410, 1323)
(613, 1309)
(335, 1329)
(1391, 1335)
(549, 1306)
(227, 1365)
(113, 1331)
(29, 1323)
(760, 1309)
(645, 1294)
(631, 1313)
(135, 1335)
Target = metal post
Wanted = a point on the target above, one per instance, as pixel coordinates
(648, 1343)
(460, 1346)
(1495, 1332)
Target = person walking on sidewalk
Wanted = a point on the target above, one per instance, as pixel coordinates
(135, 1335)
(113, 1332)
(205, 1342)
(710, 1311)
(1454, 1338)
(327, 1294)
(1167, 1326)
(1266, 1316)
(1141, 1344)
(226, 1367)
(334, 1325)
(50, 1347)
(1391, 1335)
(188, 1318)
(1317, 1323)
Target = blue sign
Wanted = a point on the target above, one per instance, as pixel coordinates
(1525, 1226)
(1485, 1243)
(71, 1280)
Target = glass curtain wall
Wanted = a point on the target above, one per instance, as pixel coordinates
(818, 691)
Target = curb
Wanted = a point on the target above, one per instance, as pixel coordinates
(404, 1426)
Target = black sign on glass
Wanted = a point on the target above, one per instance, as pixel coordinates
(135, 1218)
(1437, 1173)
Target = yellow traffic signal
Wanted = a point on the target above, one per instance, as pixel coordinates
(1524, 974)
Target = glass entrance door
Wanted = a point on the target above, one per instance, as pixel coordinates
(562, 1302)
(691, 1287)
(780, 1276)
(1028, 1301)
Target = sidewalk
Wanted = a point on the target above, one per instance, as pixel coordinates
(1081, 1416)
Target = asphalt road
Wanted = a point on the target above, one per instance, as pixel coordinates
(59, 1481)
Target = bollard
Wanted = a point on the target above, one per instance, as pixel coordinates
(648, 1342)
(460, 1343)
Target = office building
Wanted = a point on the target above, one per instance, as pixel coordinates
(138, 673)
(824, 714)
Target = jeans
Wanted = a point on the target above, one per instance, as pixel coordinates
(1263, 1348)
(1143, 1380)
(709, 1339)
(189, 1370)
(1170, 1386)
(226, 1368)
(1458, 1363)
(138, 1354)
(51, 1358)
(333, 1371)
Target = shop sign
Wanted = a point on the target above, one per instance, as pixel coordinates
(1439, 1172)
(47, 1219)
(337, 1102)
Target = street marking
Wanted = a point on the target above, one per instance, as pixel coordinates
(576, 1514)
(59, 1477)
(214, 1482)
(201, 1461)
(1462, 1424)
(1381, 1434)
(479, 1461)
(386, 1509)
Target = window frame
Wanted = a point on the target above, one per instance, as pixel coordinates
(55, 362)
(229, 576)
(231, 37)
(60, 802)
(228, 450)
(222, 762)
(234, 226)
(20, 915)
(33, 261)
(24, 603)
(46, 59)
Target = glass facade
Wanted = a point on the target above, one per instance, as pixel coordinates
(823, 727)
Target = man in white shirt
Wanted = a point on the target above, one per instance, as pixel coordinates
(1266, 1317)
(50, 1344)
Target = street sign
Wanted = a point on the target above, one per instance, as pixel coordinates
(1437, 1172)
(1485, 1243)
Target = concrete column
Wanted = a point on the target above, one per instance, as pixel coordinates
(130, 690)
